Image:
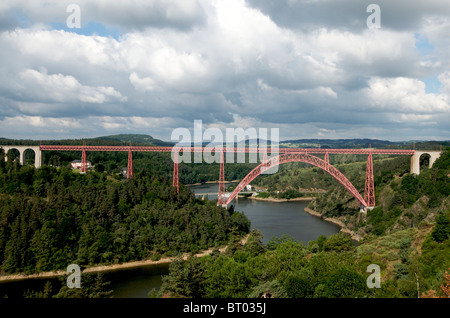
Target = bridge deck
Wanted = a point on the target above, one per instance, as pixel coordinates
(373, 151)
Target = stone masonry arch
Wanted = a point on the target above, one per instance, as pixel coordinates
(415, 160)
(22, 149)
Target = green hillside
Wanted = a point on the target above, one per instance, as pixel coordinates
(407, 236)
(362, 143)
(137, 139)
(111, 140)
(402, 200)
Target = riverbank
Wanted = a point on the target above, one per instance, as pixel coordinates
(211, 182)
(339, 223)
(113, 267)
(272, 199)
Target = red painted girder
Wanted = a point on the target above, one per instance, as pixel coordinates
(300, 150)
(228, 149)
(221, 197)
(175, 181)
(103, 148)
(130, 165)
(369, 190)
(297, 157)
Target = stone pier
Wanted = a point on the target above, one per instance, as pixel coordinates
(21, 150)
(415, 160)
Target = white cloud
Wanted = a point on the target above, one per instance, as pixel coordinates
(444, 78)
(405, 95)
(56, 46)
(42, 87)
(127, 15)
(21, 125)
(224, 62)
(143, 84)
(415, 118)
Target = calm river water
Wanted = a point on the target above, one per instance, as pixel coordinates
(270, 218)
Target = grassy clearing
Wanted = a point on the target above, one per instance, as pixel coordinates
(391, 248)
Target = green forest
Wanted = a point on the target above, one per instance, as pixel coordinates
(52, 216)
(407, 235)
(330, 267)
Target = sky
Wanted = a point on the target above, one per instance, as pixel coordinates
(311, 68)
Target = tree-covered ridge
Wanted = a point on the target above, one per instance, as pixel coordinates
(283, 268)
(51, 217)
(412, 263)
(111, 140)
(407, 235)
(402, 200)
(362, 143)
(137, 139)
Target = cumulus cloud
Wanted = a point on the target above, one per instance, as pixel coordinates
(42, 87)
(405, 95)
(126, 15)
(307, 66)
(349, 14)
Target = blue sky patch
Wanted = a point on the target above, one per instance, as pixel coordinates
(433, 85)
(423, 45)
(92, 28)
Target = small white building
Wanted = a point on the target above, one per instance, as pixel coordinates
(76, 164)
(248, 187)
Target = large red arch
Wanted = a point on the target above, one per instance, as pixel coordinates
(297, 157)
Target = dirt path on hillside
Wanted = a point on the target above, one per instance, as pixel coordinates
(104, 268)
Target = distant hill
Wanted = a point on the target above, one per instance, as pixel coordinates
(339, 143)
(361, 143)
(137, 139)
(112, 140)
(147, 140)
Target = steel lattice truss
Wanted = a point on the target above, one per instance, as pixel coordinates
(297, 157)
(227, 149)
(280, 156)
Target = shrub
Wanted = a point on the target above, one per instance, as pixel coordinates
(338, 242)
(442, 230)
(299, 285)
(344, 283)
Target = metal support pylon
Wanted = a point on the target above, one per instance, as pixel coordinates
(221, 198)
(83, 158)
(369, 191)
(175, 181)
(130, 164)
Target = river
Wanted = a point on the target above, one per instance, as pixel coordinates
(277, 218)
(270, 218)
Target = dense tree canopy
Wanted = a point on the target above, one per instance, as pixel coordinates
(53, 217)
(285, 268)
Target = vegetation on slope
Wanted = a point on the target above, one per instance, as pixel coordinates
(52, 217)
(98, 218)
(412, 263)
(283, 268)
(402, 200)
(407, 235)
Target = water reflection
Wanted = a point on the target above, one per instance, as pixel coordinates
(136, 282)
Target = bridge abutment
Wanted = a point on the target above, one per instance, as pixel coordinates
(21, 149)
(365, 209)
(415, 160)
